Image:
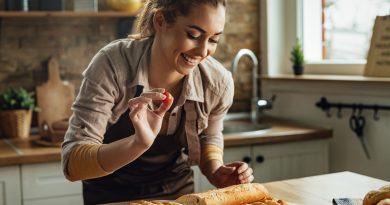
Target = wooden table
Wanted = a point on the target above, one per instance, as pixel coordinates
(321, 189)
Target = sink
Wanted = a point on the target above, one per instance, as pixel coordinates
(240, 123)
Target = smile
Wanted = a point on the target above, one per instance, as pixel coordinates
(189, 60)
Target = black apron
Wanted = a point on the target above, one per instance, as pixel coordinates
(162, 172)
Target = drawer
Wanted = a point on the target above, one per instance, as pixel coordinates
(46, 180)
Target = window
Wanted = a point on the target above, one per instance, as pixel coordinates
(335, 34)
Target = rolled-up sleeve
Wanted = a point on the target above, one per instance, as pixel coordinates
(93, 106)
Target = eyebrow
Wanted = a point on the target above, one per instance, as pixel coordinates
(201, 30)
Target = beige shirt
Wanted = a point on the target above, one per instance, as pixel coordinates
(111, 78)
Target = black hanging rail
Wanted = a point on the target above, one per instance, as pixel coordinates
(325, 105)
(357, 121)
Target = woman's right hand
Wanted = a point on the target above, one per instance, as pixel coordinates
(147, 123)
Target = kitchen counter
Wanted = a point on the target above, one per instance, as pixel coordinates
(321, 189)
(17, 151)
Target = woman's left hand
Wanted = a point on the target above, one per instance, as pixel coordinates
(233, 173)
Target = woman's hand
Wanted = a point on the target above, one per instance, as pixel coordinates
(147, 123)
(230, 174)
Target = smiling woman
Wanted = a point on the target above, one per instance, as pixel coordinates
(121, 136)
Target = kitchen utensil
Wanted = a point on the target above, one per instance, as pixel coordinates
(54, 98)
(357, 123)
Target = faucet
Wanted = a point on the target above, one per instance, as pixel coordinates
(255, 96)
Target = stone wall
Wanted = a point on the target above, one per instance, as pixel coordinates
(26, 44)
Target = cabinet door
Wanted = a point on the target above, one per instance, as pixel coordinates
(290, 160)
(46, 180)
(243, 153)
(10, 192)
(66, 200)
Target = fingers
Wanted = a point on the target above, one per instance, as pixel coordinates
(135, 102)
(246, 176)
(245, 173)
(135, 111)
(154, 95)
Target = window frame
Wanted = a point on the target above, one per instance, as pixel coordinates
(281, 24)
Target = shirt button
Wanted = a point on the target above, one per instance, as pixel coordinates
(173, 114)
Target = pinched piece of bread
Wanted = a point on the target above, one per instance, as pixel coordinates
(375, 196)
(232, 195)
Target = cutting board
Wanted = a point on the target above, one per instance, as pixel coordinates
(54, 97)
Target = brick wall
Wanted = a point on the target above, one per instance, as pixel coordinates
(26, 44)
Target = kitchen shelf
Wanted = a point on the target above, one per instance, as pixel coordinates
(21, 14)
(327, 78)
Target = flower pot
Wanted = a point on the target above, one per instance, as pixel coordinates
(15, 123)
(298, 70)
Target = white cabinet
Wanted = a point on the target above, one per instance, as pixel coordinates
(38, 184)
(45, 184)
(276, 161)
(10, 193)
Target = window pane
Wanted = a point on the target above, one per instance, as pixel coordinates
(348, 26)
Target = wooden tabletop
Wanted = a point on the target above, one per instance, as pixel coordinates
(320, 190)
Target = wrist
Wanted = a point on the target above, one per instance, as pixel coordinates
(210, 167)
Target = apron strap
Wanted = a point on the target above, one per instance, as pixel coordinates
(191, 133)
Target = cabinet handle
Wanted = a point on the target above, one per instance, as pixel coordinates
(246, 159)
(260, 159)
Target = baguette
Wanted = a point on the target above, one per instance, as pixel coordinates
(375, 196)
(232, 195)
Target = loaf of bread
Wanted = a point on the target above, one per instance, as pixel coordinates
(153, 202)
(232, 195)
(375, 196)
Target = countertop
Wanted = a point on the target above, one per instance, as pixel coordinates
(18, 151)
(321, 189)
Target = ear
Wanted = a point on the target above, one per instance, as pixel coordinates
(159, 21)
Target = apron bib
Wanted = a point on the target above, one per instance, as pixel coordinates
(162, 172)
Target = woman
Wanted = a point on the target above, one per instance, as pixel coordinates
(126, 139)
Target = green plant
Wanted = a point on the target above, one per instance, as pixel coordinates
(17, 98)
(297, 56)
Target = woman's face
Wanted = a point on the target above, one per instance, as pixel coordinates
(185, 43)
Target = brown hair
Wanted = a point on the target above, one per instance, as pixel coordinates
(171, 9)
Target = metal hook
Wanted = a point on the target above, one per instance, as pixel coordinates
(328, 114)
(353, 110)
(360, 107)
(376, 116)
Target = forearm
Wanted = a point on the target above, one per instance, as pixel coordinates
(123, 151)
(211, 160)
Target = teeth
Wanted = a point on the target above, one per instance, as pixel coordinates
(189, 59)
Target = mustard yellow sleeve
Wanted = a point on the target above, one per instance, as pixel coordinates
(83, 163)
(211, 152)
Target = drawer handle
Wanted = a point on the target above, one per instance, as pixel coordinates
(260, 159)
(246, 159)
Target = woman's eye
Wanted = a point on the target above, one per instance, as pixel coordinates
(213, 41)
(190, 36)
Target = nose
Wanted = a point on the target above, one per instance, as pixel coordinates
(203, 49)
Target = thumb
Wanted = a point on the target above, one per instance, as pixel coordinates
(227, 170)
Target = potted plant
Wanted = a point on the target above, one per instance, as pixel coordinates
(297, 58)
(16, 106)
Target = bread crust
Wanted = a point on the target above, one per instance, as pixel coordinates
(375, 196)
(232, 195)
